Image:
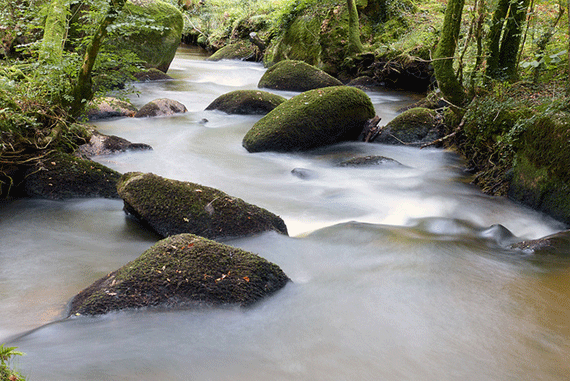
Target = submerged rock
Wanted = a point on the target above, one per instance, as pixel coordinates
(368, 161)
(246, 102)
(61, 176)
(100, 144)
(161, 107)
(296, 76)
(173, 207)
(312, 119)
(110, 107)
(415, 126)
(555, 244)
(181, 271)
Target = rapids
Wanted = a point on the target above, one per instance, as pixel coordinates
(399, 272)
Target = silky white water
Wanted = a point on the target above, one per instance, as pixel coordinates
(398, 272)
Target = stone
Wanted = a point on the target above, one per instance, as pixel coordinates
(246, 102)
(293, 75)
(312, 119)
(183, 271)
(412, 127)
(171, 207)
(109, 107)
(100, 144)
(62, 176)
(161, 107)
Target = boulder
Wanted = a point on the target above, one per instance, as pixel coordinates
(110, 107)
(172, 207)
(246, 102)
(61, 176)
(240, 50)
(369, 161)
(100, 144)
(183, 271)
(412, 127)
(556, 244)
(540, 177)
(312, 119)
(156, 43)
(161, 107)
(296, 76)
(151, 75)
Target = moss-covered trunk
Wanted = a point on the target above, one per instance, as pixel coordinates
(505, 38)
(448, 83)
(55, 31)
(83, 89)
(354, 43)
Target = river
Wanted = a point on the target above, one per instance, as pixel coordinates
(398, 272)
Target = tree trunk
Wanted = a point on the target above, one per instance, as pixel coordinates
(510, 43)
(354, 43)
(505, 38)
(55, 31)
(449, 85)
(83, 89)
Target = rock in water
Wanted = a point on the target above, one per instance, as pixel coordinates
(293, 75)
(246, 102)
(312, 119)
(161, 107)
(173, 207)
(181, 271)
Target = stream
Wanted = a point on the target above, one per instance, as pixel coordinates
(399, 272)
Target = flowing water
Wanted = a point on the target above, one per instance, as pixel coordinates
(399, 272)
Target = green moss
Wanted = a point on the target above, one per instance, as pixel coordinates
(183, 270)
(296, 76)
(312, 119)
(240, 50)
(172, 207)
(246, 102)
(413, 126)
(61, 176)
(156, 44)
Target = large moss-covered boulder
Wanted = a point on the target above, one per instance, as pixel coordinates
(173, 207)
(183, 271)
(541, 171)
(414, 126)
(246, 102)
(312, 119)
(240, 50)
(557, 244)
(296, 76)
(62, 176)
(155, 42)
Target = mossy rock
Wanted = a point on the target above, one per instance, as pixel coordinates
(312, 119)
(155, 43)
(414, 126)
(557, 244)
(171, 207)
(151, 75)
(62, 176)
(183, 271)
(246, 102)
(161, 107)
(541, 171)
(109, 107)
(240, 50)
(296, 76)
